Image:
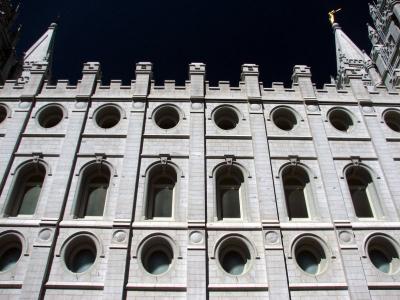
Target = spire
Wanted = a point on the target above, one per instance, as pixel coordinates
(350, 59)
(40, 53)
(42, 50)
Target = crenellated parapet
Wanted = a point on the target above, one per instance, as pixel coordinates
(196, 88)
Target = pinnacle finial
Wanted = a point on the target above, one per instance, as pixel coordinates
(332, 15)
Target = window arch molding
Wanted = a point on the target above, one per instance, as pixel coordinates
(234, 254)
(75, 243)
(373, 199)
(21, 174)
(313, 241)
(383, 242)
(157, 109)
(24, 241)
(293, 117)
(13, 247)
(90, 234)
(5, 112)
(152, 243)
(242, 177)
(385, 118)
(246, 240)
(346, 117)
(33, 161)
(225, 108)
(107, 116)
(309, 196)
(100, 107)
(106, 172)
(150, 187)
(237, 110)
(44, 107)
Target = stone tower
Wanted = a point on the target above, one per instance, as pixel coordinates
(385, 39)
(8, 39)
(146, 191)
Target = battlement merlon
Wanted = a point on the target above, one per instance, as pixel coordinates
(144, 74)
(90, 74)
(250, 76)
(197, 74)
(302, 77)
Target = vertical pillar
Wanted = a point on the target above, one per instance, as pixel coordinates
(265, 185)
(386, 162)
(143, 76)
(20, 117)
(117, 269)
(196, 253)
(274, 256)
(36, 275)
(356, 280)
(302, 76)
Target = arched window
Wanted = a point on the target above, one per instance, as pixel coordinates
(161, 192)
(362, 190)
(92, 191)
(229, 184)
(298, 193)
(26, 190)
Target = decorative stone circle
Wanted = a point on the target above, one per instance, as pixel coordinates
(197, 105)
(255, 107)
(368, 109)
(119, 236)
(346, 237)
(196, 237)
(138, 104)
(272, 237)
(312, 108)
(80, 105)
(24, 104)
(45, 234)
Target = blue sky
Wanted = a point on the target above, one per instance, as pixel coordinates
(171, 34)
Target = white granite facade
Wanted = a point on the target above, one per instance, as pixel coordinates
(279, 132)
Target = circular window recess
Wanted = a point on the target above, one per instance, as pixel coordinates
(392, 120)
(226, 118)
(284, 118)
(157, 256)
(383, 255)
(50, 116)
(166, 117)
(10, 253)
(234, 256)
(341, 120)
(310, 256)
(3, 113)
(108, 116)
(80, 254)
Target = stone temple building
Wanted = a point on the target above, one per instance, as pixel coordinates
(204, 192)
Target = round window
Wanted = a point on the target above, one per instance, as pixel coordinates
(50, 116)
(166, 117)
(234, 256)
(392, 120)
(10, 253)
(341, 119)
(157, 256)
(310, 256)
(383, 255)
(80, 254)
(108, 116)
(3, 113)
(284, 118)
(226, 118)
